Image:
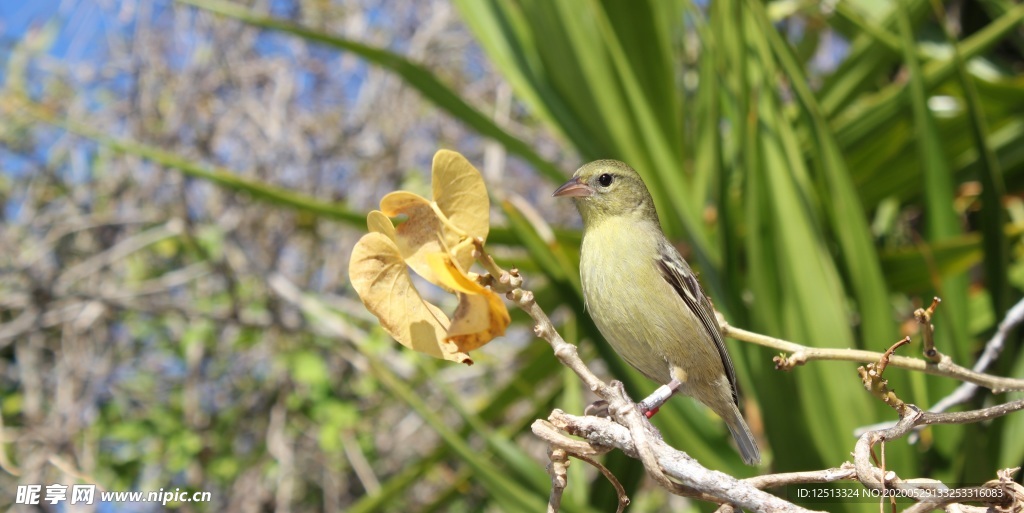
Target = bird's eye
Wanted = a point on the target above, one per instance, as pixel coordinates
(605, 180)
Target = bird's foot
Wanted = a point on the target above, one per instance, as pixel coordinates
(598, 408)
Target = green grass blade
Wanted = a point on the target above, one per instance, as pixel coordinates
(846, 216)
(920, 268)
(793, 280)
(586, 68)
(997, 251)
(510, 493)
(507, 31)
(873, 51)
(866, 117)
(941, 221)
(223, 177)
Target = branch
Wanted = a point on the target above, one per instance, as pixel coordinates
(678, 466)
(627, 429)
(803, 354)
(845, 472)
(630, 432)
(930, 494)
(560, 447)
(924, 318)
(965, 391)
(116, 252)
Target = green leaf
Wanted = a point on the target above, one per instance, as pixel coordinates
(941, 222)
(1012, 452)
(21, 107)
(585, 69)
(992, 216)
(310, 369)
(507, 491)
(844, 212)
(334, 416)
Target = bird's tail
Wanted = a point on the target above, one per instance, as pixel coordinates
(741, 433)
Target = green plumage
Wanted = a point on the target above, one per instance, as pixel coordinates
(644, 298)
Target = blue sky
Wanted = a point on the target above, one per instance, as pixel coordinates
(81, 25)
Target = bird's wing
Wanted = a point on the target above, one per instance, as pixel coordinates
(677, 273)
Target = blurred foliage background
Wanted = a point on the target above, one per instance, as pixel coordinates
(181, 184)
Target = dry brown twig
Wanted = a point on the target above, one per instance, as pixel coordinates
(930, 494)
(966, 390)
(800, 354)
(629, 431)
(559, 449)
(924, 318)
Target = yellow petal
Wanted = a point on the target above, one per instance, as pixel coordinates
(478, 320)
(376, 221)
(402, 202)
(449, 274)
(419, 235)
(460, 196)
(481, 315)
(460, 193)
(381, 278)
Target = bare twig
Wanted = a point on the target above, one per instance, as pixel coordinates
(924, 318)
(966, 417)
(934, 493)
(360, 465)
(560, 447)
(558, 469)
(65, 466)
(678, 466)
(802, 354)
(844, 472)
(871, 377)
(117, 252)
(965, 391)
(620, 491)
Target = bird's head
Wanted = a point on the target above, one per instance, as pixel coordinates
(604, 189)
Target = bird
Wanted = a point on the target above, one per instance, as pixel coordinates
(645, 299)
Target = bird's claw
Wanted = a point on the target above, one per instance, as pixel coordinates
(598, 408)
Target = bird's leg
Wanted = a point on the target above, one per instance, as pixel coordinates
(653, 402)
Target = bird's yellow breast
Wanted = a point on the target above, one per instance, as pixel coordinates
(636, 309)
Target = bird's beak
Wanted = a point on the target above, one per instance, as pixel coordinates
(574, 189)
